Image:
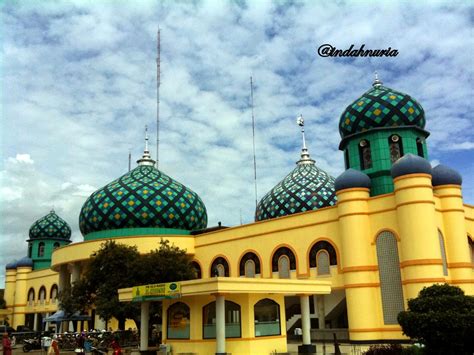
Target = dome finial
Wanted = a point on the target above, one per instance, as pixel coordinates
(305, 158)
(146, 158)
(377, 82)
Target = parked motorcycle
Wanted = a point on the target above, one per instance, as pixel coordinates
(31, 344)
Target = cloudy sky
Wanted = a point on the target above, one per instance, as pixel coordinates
(79, 85)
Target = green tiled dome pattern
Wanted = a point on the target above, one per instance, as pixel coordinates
(306, 188)
(50, 226)
(144, 197)
(381, 107)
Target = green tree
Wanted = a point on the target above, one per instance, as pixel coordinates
(116, 266)
(441, 318)
(168, 263)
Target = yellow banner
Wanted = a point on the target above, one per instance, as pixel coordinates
(165, 290)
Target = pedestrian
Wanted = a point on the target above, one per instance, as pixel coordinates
(54, 348)
(116, 346)
(7, 345)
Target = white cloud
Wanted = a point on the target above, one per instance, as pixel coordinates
(81, 87)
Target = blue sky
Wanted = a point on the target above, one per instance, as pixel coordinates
(79, 85)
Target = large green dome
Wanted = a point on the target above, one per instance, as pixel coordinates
(381, 107)
(50, 226)
(143, 198)
(306, 188)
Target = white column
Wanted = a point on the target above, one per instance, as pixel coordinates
(144, 320)
(76, 272)
(99, 323)
(64, 278)
(220, 324)
(305, 319)
(35, 322)
(321, 312)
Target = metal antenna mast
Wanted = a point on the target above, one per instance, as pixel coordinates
(158, 83)
(253, 138)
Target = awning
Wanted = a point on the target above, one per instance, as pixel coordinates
(60, 316)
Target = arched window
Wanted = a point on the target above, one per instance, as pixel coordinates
(443, 253)
(249, 265)
(56, 246)
(267, 318)
(178, 321)
(390, 278)
(42, 294)
(250, 268)
(220, 267)
(323, 262)
(322, 245)
(31, 296)
(419, 147)
(232, 320)
(53, 294)
(30, 249)
(396, 148)
(283, 265)
(197, 269)
(346, 158)
(41, 249)
(365, 154)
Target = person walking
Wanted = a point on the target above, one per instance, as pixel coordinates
(7, 345)
(54, 348)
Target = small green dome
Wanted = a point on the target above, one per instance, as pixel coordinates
(381, 107)
(144, 197)
(306, 188)
(50, 226)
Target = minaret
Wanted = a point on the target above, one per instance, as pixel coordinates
(305, 158)
(146, 158)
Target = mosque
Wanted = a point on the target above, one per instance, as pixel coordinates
(326, 255)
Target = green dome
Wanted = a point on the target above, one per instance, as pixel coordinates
(381, 107)
(143, 198)
(50, 226)
(306, 188)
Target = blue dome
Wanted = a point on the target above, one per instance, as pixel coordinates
(11, 265)
(410, 164)
(306, 188)
(352, 178)
(25, 262)
(443, 175)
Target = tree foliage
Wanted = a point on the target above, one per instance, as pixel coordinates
(116, 266)
(441, 318)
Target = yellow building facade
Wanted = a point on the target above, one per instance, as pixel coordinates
(348, 257)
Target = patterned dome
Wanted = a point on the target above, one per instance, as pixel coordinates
(306, 188)
(381, 107)
(50, 226)
(144, 197)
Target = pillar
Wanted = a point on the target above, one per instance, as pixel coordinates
(64, 278)
(419, 248)
(321, 311)
(220, 324)
(306, 348)
(35, 322)
(361, 279)
(455, 236)
(76, 272)
(144, 324)
(21, 296)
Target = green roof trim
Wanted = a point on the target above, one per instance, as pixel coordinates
(132, 232)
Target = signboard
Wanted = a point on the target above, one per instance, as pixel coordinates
(155, 292)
